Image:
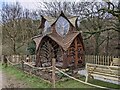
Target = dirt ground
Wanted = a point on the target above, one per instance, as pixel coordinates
(7, 81)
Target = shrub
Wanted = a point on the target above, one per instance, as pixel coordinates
(31, 47)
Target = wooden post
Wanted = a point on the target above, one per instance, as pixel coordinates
(22, 65)
(76, 53)
(103, 60)
(53, 72)
(86, 73)
(87, 58)
(98, 59)
(65, 65)
(68, 57)
(109, 60)
(92, 59)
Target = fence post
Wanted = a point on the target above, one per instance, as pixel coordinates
(86, 79)
(53, 72)
(98, 60)
(105, 60)
(22, 65)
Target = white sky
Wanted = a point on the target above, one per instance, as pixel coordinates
(33, 4)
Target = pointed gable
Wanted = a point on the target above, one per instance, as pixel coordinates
(71, 20)
(53, 20)
(69, 36)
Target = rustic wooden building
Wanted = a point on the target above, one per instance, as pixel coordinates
(59, 39)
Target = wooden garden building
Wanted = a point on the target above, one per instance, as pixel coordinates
(61, 40)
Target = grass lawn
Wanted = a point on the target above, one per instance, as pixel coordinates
(101, 83)
(32, 81)
(105, 84)
(71, 84)
(36, 82)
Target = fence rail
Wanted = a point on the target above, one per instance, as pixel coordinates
(18, 58)
(100, 60)
(35, 71)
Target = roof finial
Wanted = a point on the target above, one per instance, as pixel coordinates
(62, 13)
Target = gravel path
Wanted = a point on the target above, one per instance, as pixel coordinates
(8, 81)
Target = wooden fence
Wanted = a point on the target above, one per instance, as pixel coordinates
(18, 58)
(100, 60)
(50, 73)
(47, 76)
(103, 71)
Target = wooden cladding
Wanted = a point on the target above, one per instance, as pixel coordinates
(74, 55)
(64, 44)
(70, 58)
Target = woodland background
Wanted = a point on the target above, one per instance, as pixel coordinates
(99, 24)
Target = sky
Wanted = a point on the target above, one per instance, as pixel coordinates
(33, 4)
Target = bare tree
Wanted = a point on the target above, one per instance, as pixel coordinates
(114, 9)
(17, 26)
(9, 15)
(69, 8)
(95, 25)
(94, 22)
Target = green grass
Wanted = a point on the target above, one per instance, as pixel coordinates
(36, 82)
(71, 84)
(101, 83)
(104, 84)
(32, 81)
(0, 65)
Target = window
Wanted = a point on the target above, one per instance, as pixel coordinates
(46, 27)
(62, 26)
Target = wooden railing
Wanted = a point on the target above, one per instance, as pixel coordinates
(18, 58)
(108, 72)
(100, 60)
(50, 74)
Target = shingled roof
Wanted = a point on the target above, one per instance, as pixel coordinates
(63, 42)
(52, 20)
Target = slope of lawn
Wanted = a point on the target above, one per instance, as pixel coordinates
(32, 81)
(36, 82)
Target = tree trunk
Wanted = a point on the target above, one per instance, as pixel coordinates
(119, 37)
(14, 47)
(97, 44)
(107, 44)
